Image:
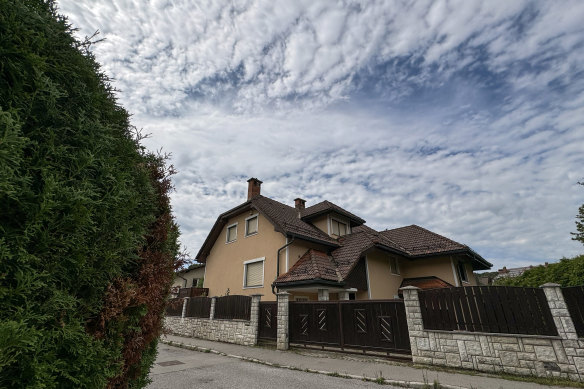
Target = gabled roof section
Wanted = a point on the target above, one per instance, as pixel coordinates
(420, 242)
(325, 207)
(354, 245)
(284, 218)
(313, 265)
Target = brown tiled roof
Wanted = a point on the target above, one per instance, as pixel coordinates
(431, 282)
(326, 206)
(353, 245)
(416, 240)
(287, 219)
(284, 218)
(313, 265)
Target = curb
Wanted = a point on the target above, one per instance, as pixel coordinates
(379, 380)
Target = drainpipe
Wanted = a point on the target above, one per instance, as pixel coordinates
(183, 279)
(278, 261)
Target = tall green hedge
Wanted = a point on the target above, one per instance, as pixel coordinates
(567, 272)
(88, 244)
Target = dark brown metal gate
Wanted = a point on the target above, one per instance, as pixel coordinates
(377, 325)
(268, 324)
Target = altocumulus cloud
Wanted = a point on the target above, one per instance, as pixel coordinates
(465, 117)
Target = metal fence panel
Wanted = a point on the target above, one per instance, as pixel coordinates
(494, 309)
(174, 307)
(574, 296)
(198, 307)
(233, 307)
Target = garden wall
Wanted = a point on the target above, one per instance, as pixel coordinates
(239, 331)
(538, 355)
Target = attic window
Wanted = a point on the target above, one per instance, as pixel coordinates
(231, 233)
(251, 225)
(393, 267)
(339, 228)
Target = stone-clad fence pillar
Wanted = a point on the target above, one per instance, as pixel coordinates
(212, 310)
(559, 310)
(254, 319)
(544, 356)
(282, 335)
(184, 308)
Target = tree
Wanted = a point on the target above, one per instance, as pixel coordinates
(567, 272)
(579, 236)
(88, 243)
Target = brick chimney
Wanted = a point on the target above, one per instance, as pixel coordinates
(253, 188)
(299, 204)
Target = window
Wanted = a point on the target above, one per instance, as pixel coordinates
(195, 282)
(253, 273)
(339, 228)
(393, 267)
(462, 272)
(251, 225)
(231, 233)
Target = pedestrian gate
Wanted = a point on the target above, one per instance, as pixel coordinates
(268, 324)
(377, 325)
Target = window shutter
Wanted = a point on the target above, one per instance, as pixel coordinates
(335, 225)
(231, 233)
(254, 274)
(252, 225)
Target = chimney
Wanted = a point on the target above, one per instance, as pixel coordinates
(299, 204)
(253, 188)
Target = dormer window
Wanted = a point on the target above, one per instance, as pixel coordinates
(231, 233)
(251, 225)
(338, 228)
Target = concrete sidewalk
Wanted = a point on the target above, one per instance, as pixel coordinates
(355, 366)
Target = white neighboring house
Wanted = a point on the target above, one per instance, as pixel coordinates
(188, 277)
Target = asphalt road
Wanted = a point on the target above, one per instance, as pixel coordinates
(207, 370)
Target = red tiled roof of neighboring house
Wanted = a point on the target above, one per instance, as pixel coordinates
(326, 206)
(431, 282)
(313, 265)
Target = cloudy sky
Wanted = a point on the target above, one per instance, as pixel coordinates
(464, 117)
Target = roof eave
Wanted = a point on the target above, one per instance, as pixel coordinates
(313, 281)
(357, 221)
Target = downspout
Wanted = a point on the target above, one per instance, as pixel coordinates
(278, 261)
(183, 279)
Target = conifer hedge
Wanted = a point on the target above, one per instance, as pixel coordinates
(88, 244)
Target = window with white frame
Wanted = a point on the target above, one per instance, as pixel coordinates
(338, 228)
(393, 266)
(462, 272)
(251, 225)
(253, 273)
(231, 233)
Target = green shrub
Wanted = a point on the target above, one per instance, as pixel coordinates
(88, 244)
(567, 272)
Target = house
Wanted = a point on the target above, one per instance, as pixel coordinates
(325, 252)
(190, 277)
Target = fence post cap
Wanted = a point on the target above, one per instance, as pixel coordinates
(257, 295)
(410, 287)
(282, 293)
(550, 285)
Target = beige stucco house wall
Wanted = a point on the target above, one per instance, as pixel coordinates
(225, 262)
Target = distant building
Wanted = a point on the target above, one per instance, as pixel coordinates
(514, 272)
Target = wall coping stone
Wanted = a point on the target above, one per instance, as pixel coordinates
(495, 334)
(550, 285)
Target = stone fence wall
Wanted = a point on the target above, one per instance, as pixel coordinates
(544, 356)
(244, 332)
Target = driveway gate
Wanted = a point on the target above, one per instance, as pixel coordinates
(378, 325)
(268, 320)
